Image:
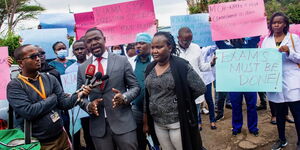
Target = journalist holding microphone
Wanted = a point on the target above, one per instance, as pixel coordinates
(111, 119)
(39, 98)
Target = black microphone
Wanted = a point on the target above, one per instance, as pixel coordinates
(98, 76)
(99, 82)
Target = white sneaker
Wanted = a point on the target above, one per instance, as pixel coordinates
(205, 111)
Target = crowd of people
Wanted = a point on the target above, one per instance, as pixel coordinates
(150, 96)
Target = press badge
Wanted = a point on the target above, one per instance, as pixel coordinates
(54, 116)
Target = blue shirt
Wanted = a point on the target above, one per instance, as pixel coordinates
(61, 67)
(139, 72)
(72, 68)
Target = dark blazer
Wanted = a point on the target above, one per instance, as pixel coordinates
(121, 77)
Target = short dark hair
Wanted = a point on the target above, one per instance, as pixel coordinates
(94, 29)
(170, 41)
(53, 46)
(80, 40)
(130, 46)
(285, 19)
(184, 29)
(18, 53)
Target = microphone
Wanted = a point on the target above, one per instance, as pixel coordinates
(89, 73)
(94, 84)
(98, 76)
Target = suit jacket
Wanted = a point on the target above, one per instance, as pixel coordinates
(121, 77)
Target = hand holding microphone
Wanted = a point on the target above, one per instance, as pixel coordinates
(83, 91)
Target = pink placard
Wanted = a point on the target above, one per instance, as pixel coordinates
(83, 21)
(4, 72)
(238, 19)
(121, 22)
(295, 28)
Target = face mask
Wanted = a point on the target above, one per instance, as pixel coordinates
(62, 54)
(117, 51)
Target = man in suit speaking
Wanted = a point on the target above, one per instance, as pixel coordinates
(111, 121)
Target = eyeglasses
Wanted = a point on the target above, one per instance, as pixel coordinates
(32, 56)
(42, 53)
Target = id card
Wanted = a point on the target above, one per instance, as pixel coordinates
(54, 117)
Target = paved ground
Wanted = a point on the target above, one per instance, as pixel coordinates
(221, 139)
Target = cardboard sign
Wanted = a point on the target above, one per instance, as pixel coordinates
(295, 28)
(4, 72)
(249, 70)
(69, 82)
(199, 25)
(84, 21)
(121, 22)
(59, 20)
(45, 38)
(238, 19)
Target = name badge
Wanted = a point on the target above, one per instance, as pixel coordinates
(54, 117)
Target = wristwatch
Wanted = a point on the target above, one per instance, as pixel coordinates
(125, 99)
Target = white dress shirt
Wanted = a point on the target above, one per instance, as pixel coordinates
(193, 54)
(104, 65)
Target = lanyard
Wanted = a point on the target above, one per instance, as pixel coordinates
(43, 93)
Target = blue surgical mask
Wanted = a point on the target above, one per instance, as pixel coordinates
(62, 54)
(117, 51)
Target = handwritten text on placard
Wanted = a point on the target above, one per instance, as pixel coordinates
(249, 70)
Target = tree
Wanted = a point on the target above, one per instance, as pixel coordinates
(14, 11)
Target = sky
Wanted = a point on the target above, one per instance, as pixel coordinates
(163, 9)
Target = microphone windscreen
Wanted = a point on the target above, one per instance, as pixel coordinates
(98, 75)
(90, 71)
(105, 77)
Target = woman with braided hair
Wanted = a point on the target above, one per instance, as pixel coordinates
(171, 87)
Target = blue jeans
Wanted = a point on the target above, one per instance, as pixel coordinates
(237, 113)
(199, 113)
(210, 103)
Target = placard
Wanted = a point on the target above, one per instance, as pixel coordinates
(249, 70)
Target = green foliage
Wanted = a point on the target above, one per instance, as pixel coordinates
(14, 11)
(11, 41)
(293, 12)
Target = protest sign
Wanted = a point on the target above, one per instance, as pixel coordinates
(84, 21)
(69, 83)
(4, 72)
(249, 70)
(121, 22)
(4, 110)
(45, 38)
(59, 20)
(199, 25)
(295, 28)
(238, 19)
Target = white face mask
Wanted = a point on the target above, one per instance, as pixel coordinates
(117, 51)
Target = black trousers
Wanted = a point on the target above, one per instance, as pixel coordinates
(281, 117)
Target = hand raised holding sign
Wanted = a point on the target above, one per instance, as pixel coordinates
(213, 61)
(284, 48)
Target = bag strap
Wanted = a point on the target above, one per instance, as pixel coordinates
(293, 44)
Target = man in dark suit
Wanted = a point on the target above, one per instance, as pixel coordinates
(111, 121)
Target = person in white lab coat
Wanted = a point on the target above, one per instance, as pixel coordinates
(289, 45)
